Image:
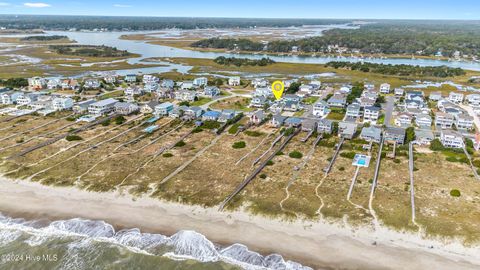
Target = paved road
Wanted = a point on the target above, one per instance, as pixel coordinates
(389, 110)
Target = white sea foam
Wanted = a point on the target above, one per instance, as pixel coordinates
(185, 244)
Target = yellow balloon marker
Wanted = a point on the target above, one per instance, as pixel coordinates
(277, 89)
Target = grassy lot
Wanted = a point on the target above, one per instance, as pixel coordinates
(212, 176)
(201, 101)
(234, 103)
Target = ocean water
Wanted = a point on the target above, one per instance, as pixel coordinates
(89, 244)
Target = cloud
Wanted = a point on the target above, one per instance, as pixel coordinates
(37, 5)
(121, 6)
(3, 4)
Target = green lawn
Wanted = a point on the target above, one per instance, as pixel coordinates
(201, 101)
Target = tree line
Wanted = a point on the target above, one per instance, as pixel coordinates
(228, 61)
(89, 50)
(396, 37)
(44, 38)
(399, 70)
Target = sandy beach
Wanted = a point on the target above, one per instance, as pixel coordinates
(321, 245)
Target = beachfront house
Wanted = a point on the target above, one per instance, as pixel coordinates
(81, 107)
(347, 130)
(102, 107)
(163, 108)
(309, 124)
(61, 103)
(324, 126)
(371, 134)
(451, 139)
(211, 116)
(257, 117)
(394, 135)
(277, 120)
(126, 108)
(149, 107)
(423, 136)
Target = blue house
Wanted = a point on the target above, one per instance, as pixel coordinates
(293, 122)
(211, 115)
(211, 91)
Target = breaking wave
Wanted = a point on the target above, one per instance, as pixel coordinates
(182, 245)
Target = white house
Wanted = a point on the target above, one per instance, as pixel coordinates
(353, 110)
(444, 120)
(53, 84)
(61, 103)
(435, 96)
(398, 92)
(320, 108)
(164, 108)
(452, 139)
(185, 95)
(102, 107)
(26, 99)
(455, 97)
(423, 120)
(371, 114)
(234, 81)
(385, 88)
(130, 78)
(187, 85)
(200, 82)
(473, 99)
(133, 90)
(147, 78)
(37, 83)
(126, 108)
(259, 83)
(403, 120)
(464, 121)
(91, 84)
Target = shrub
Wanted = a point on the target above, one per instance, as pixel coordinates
(253, 133)
(289, 131)
(211, 124)
(263, 176)
(197, 130)
(436, 145)
(106, 123)
(167, 155)
(180, 144)
(349, 155)
(233, 129)
(295, 154)
(239, 145)
(269, 163)
(341, 169)
(119, 120)
(476, 163)
(396, 160)
(279, 153)
(73, 138)
(455, 193)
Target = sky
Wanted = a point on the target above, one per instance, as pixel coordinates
(361, 9)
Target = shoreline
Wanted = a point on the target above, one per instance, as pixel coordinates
(316, 244)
